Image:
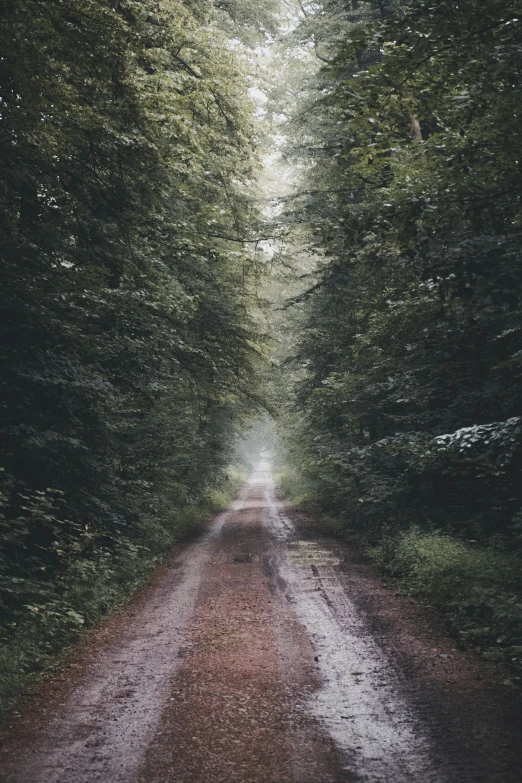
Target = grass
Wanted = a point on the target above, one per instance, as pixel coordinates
(477, 589)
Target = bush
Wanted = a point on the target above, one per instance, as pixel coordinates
(90, 586)
(477, 590)
(293, 487)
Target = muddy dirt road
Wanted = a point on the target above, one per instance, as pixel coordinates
(264, 654)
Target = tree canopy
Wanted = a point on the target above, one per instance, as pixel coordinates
(132, 346)
(129, 349)
(405, 395)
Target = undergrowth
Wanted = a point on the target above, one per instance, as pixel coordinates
(478, 590)
(88, 589)
(476, 587)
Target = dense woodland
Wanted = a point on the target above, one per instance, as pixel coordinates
(405, 388)
(128, 347)
(134, 343)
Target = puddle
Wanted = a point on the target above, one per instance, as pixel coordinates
(360, 704)
(305, 554)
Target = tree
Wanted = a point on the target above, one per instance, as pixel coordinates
(411, 329)
(129, 351)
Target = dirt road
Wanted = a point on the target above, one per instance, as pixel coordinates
(264, 654)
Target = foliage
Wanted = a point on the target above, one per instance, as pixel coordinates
(403, 395)
(407, 376)
(477, 590)
(129, 352)
(84, 591)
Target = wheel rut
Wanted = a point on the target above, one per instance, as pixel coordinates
(264, 653)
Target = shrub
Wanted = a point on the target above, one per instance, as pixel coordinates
(478, 590)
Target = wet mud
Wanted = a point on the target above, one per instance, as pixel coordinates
(266, 652)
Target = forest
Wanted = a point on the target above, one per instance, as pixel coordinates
(299, 220)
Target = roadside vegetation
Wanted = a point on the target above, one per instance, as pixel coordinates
(135, 247)
(402, 424)
(129, 346)
(475, 585)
